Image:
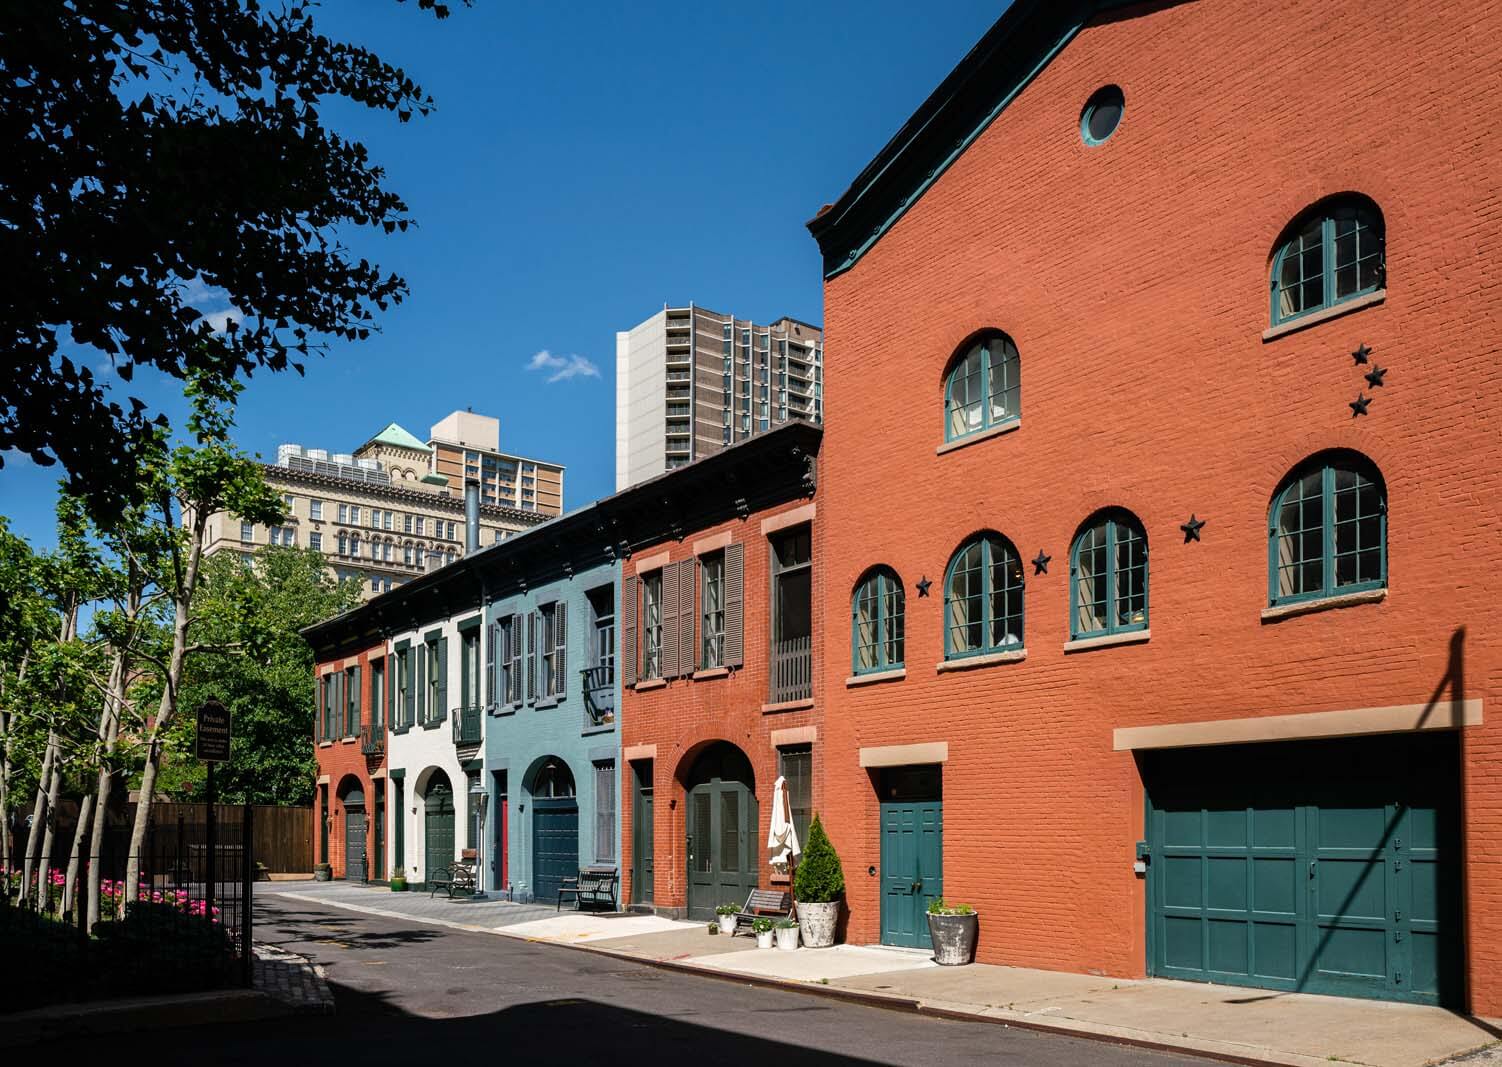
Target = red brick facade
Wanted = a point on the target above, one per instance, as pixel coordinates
(667, 725)
(1134, 279)
(343, 765)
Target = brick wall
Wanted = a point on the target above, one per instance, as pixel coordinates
(341, 760)
(1134, 279)
(684, 716)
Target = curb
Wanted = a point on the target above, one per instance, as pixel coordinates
(123, 1016)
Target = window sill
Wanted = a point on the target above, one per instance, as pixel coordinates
(505, 709)
(432, 725)
(1314, 318)
(1084, 644)
(1324, 603)
(990, 659)
(876, 677)
(325, 744)
(650, 683)
(348, 740)
(979, 436)
(399, 730)
(711, 672)
(544, 703)
(787, 705)
(603, 728)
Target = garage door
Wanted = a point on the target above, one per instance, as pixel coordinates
(1321, 866)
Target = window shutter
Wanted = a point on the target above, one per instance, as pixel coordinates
(388, 685)
(353, 729)
(560, 654)
(321, 718)
(514, 642)
(422, 683)
(331, 720)
(735, 573)
(629, 650)
(409, 712)
(441, 712)
(490, 665)
(531, 656)
(688, 582)
(669, 616)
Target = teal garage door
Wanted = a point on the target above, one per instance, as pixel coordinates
(1319, 867)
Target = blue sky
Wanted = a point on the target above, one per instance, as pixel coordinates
(587, 163)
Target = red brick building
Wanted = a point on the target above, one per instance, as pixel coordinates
(719, 659)
(1239, 263)
(349, 728)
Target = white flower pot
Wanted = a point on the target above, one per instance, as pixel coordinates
(787, 940)
(818, 922)
(764, 938)
(727, 924)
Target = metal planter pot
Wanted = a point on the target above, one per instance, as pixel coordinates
(323, 873)
(954, 938)
(818, 921)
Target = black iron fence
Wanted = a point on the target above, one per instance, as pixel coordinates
(186, 927)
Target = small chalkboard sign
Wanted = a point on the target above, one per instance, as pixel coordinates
(212, 743)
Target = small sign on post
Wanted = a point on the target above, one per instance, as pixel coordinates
(212, 744)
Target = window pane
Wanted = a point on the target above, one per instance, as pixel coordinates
(1301, 519)
(1301, 274)
(965, 411)
(892, 604)
(1131, 576)
(1006, 596)
(730, 831)
(1357, 528)
(797, 768)
(867, 651)
(1003, 387)
(1091, 581)
(701, 833)
(964, 607)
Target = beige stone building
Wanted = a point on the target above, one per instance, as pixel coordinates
(394, 508)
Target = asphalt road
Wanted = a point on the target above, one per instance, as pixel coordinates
(409, 993)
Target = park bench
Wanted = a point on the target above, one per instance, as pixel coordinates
(456, 877)
(764, 904)
(594, 884)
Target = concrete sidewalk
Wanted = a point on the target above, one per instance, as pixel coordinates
(1224, 1022)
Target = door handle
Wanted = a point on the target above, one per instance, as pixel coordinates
(918, 885)
(1311, 868)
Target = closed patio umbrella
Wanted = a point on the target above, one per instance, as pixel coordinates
(782, 838)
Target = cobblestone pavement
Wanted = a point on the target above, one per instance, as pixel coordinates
(462, 912)
(292, 979)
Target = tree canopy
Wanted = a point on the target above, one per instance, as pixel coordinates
(153, 150)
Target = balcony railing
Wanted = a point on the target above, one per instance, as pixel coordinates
(467, 725)
(792, 670)
(373, 739)
(599, 694)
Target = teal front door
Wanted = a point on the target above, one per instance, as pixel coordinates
(912, 853)
(1321, 867)
(555, 846)
(354, 844)
(438, 827)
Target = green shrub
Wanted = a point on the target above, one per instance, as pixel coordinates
(761, 926)
(785, 924)
(728, 909)
(937, 906)
(819, 879)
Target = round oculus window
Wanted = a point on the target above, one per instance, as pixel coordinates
(1102, 115)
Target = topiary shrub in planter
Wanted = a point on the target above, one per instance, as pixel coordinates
(818, 886)
(952, 928)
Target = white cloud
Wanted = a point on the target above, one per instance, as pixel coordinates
(213, 304)
(562, 368)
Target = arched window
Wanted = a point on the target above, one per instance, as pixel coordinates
(1108, 576)
(1336, 252)
(354, 544)
(343, 543)
(554, 780)
(876, 623)
(1328, 530)
(983, 388)
(983, 598)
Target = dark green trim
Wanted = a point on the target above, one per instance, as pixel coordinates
(432, 635)
(402, 645)
(472, 765)
(1024, 40)
(471, 623)
(397, 775)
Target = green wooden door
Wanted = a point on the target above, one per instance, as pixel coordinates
(555, 845)
(723, 858)
(912, 869)
(354, 844)
(1322, 867)
(438, 828)
(643, 824)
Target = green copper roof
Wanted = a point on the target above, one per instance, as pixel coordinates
(397, 437)
(436, 479)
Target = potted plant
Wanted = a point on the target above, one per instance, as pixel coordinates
(323, 872)
(727, 914)
(952, 929)
(762, 928)
(818, 886)
(786, 931)
(399, 882)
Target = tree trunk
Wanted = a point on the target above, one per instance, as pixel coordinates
(39, 811)
(76, 857)
(182, 599)
(114, 711)
(49, 828)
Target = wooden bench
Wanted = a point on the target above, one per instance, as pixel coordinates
(764, 904)
(455, 877)
(594, 884)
